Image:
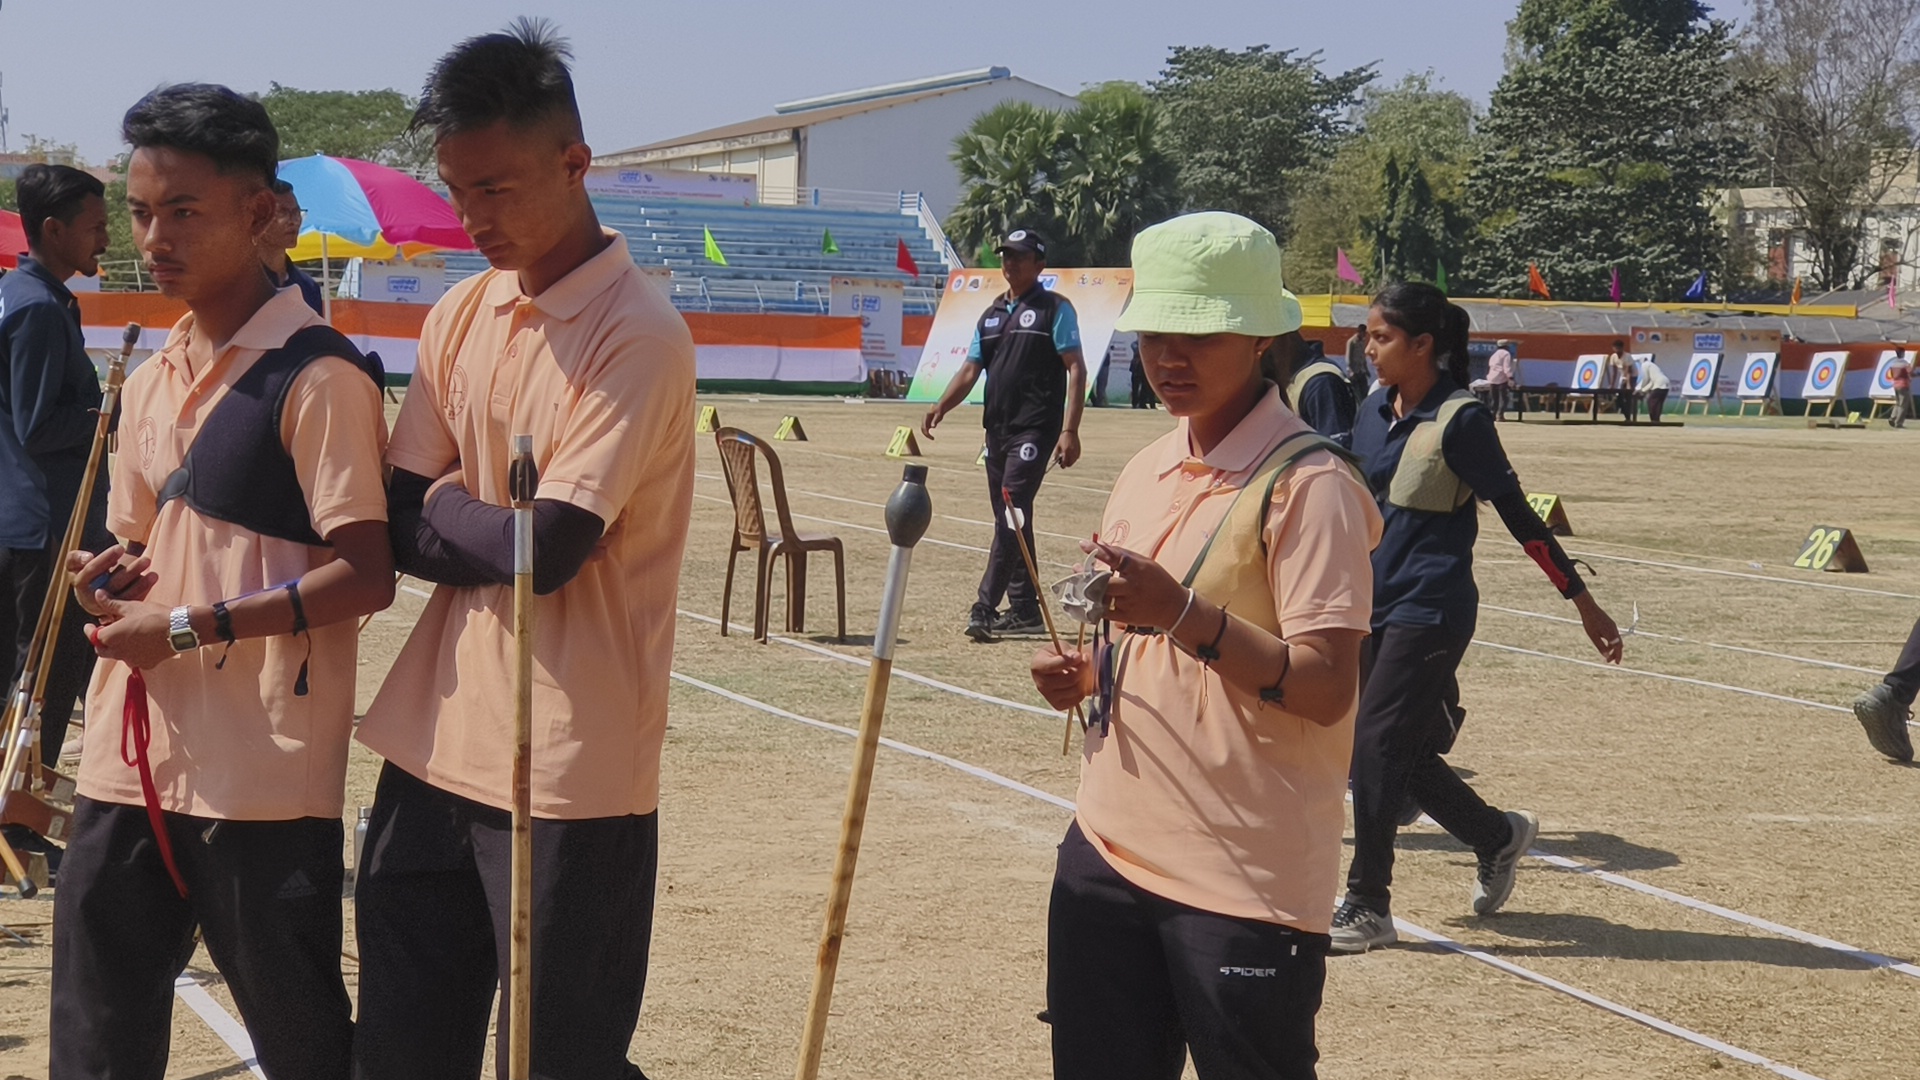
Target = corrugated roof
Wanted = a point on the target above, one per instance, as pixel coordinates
(804, 118)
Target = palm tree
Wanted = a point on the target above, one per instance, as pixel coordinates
(1115, 178)
(1007, 160)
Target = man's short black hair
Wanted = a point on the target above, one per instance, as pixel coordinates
(212, 121)
(519, 76)
(280, 187)
(53, 191)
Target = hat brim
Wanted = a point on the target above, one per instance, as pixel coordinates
(1184, 313)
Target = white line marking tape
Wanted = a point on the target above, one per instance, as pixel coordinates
(892, 744)
(1442, 941)
(1688, 641)
(1614, 1007)
(223, 1024)
(883, 532)
(1618, 670)
(860, 661)
(1738, 574)
(883, 506)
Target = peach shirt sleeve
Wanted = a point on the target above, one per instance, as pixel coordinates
(1319, 543)
(336, 432)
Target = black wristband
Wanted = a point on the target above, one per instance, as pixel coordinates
(1277, 694)
(1210, 653)
(222, 622)
(299, 609)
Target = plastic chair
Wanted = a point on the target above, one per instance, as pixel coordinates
(737, 452)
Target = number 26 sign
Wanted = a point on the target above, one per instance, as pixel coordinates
(1830, 548)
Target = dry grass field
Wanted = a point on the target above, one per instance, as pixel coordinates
(1724, 884)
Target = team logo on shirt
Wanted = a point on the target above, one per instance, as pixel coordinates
(456, 403)
(1026, 319)
(1029, 451)
(148, 440)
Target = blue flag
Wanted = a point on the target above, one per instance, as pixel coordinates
(1698, 290)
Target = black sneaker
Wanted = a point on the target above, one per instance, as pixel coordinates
(1020, 621)
(980, 624)
(1358, 928)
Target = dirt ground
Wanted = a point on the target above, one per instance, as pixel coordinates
(1772, 809)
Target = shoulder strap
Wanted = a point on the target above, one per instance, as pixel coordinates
(1277, 462)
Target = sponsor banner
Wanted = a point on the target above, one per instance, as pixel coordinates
(633, 182)
(1098, 296)
(1673, 348)
(880, 306)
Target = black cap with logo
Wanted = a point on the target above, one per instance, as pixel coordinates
(1024, 240)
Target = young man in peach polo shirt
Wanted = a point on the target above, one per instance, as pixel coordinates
(247, 492)
(563, 340)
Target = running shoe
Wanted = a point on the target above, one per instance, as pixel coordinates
(1357, 928)
(1494, 882)
(980, 624)
(1020, 621)
(1886, 722)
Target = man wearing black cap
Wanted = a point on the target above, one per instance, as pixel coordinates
(1028, 343)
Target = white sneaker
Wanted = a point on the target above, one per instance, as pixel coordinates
(71, 749)
(1357, 928)
(1494, 881)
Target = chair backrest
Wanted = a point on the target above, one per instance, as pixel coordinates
(737, 452)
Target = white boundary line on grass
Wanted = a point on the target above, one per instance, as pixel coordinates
(219, 1020)
(1864, 956)
(1642, 672)
(1738, 574)
(1665, 1027)
(1484, 606)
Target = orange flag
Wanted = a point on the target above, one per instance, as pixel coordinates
(1796, 292)
(1537, 284)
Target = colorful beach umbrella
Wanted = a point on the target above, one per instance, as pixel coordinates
(357, 208)
(13, 239)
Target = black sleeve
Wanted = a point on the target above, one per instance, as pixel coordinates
(481, 534)
(1327, 405)
(417, 549)
(1473, 451)
(1538, 542)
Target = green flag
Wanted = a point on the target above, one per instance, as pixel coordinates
(827, 246)
(714, 253)
(989, 258)
(1439, 275)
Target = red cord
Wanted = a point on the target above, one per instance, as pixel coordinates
(135, 721)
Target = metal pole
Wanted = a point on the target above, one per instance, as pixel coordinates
(522, 479)
(908, 513)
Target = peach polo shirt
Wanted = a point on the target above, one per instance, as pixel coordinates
(599, 370)
(1200, 793)
(232, 740)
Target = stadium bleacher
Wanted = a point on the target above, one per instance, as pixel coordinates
(774, 258)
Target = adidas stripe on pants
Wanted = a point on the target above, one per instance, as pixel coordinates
(264, 894)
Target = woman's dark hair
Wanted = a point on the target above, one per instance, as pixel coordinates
(53, 191)
(231, 129)
(1417, 308)
(519, 76)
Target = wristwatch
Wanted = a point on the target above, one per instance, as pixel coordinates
(180, 630)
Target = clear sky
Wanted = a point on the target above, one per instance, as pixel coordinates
(648, 69)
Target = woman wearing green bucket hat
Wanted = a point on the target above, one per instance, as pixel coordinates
(1193, 896)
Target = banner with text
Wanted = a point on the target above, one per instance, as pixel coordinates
(880, 306)
(1098, 296)
(633, 182)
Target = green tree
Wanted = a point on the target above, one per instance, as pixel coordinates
(1087, 178)
(1606, 143)
(1248, 127)
(1115, 177)
(1416, 129)
(1838, 109)
(367, 124)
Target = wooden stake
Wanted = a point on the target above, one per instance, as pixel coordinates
(908, 513)
(522, 480)
(22, 726)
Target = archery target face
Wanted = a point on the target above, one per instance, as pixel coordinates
(1757, 374)
(1823, 375)
(1701, 373)
(1587, 371)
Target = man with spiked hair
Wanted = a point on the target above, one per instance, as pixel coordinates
(562, 339)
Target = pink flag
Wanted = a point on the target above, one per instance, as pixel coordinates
(1343, 269)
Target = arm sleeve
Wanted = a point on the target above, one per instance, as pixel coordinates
(1319, 532)
(417, 549)
(481, 535)
(973, 347)
(1538, 542)
(1066, 328)
(38, 339)
(1473, 451)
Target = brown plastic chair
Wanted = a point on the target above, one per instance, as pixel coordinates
(737, 452)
